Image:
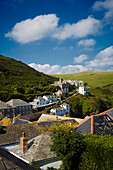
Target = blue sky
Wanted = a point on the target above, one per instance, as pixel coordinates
(58, 36)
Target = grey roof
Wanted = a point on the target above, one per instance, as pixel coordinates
(38, 149)
(9, 161)
(97, 124)
(4, 105)
(85, 126)
(17, 102)
(18, 121)
(40, 98)
(59, 108)
(11, 134)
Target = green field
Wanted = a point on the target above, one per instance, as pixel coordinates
(92, 78)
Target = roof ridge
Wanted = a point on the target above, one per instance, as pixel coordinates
(92, 124)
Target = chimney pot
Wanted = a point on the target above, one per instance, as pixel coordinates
(23, 143)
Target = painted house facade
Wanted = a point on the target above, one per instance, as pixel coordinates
(61, 93)
(38, 101)
(82, 90)
(20, 107)
(60, 111)
(5, 109)
(64, 85)
(50, 98)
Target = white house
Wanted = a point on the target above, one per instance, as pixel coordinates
(82, 90)
(62, 84)
(60, 111)
(66, 107)
(75, 82)
(38, 101)
(50, 98)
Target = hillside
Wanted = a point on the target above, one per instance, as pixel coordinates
(17, 79)
(92, 78)
(100, 93)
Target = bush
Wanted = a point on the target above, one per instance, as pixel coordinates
(78, 152)
(68, 145)
(98, 154)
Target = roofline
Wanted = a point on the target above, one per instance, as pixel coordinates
(107, 110)
(83, 121)
(92, 120)
(12, 159)
(92, 124)
(64, 116)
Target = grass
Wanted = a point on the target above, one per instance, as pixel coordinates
(92, 78)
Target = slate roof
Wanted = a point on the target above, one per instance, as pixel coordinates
(59, 108)
(20, 121)
(4, 105)
(110, 111)
(85, 126)
(9, 161)
(97, 124)
(40, 98)
(38, 149)
(11, 134)
(17, 102)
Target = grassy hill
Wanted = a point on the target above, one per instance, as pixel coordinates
(19, 80)
(92, 78)
(100, 92)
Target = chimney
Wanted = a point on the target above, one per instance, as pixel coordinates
(23, 143)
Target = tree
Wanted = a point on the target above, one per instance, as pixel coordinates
(98, 154)
(68, 146)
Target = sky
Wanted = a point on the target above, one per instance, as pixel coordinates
(58, 36)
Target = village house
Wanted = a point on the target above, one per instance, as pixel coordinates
(5, 109)
(60, 111)
(61, 93)
(82, 90)
(75, 82)
(42, 101)
(64, 85)
(50, 98)
(20, 107)
(38, 101)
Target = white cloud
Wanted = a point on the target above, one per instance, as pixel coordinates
(107, 5)
(87, 43)
(83, 28)
(57, 69)
(47, 26)
(102, 61)
(80, 58)
(34, 29)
